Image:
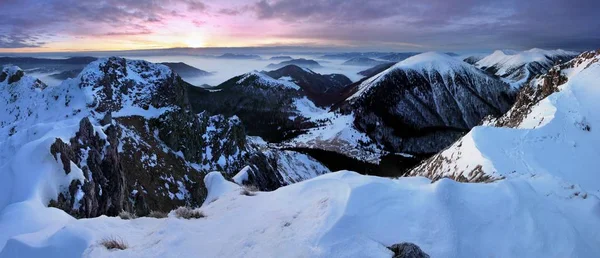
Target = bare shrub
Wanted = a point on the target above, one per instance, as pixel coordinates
(188, 213)
(157, 214)
(114, 243)
(249, 190)
(126, 215)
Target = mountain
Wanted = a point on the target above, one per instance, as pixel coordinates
(31, 62)
(350, 55)
(274, 105)
(397, 57)
(238, 56)
(517, 68)
(473, 59)
(301, 62)
(279, 58)
(363, 61)
(549, 132)
(324, 90)
(121, 136)
(186, 70)
(61, 69)
(375, 70)
(418, 106)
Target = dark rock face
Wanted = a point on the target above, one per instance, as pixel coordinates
(407, 250)
(103, 191)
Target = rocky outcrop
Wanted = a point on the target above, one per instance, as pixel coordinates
(407, 250)
(104, 190)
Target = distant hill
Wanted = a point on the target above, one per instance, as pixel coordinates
(363, 61)
(305, 63)
(238, 56)
(279, 58)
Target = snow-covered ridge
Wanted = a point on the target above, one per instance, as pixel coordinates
(518, 67)
(510, 60)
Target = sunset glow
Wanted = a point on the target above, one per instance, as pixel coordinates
(71, 25)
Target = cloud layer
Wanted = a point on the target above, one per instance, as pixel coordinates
(393, 24)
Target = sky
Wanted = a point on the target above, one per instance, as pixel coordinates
(400, 25)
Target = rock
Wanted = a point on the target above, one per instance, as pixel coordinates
(407, 250)
(107, 119)
(16, 76)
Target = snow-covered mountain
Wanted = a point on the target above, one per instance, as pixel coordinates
(122, 136)
(517, 68)
(425, 102)
(551, 133)
(274, 105)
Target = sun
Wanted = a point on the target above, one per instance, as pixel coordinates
(194, 41)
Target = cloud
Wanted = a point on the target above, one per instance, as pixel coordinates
(229, 11)
(19, 41)
(195, 5)
(435, 24)
(442, 23)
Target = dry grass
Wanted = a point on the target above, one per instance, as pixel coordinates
(114, 243)
(249, 190)
(188, 213)
(157, 214)
(127, 215)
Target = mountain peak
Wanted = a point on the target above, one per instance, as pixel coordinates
(11, 74)
(430, 61)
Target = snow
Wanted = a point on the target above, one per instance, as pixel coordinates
(151, 112)
(241, 176)
(308, 109)
(345, 214)
(217, 186)
(338, 134)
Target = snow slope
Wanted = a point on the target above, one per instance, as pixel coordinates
(345, 214)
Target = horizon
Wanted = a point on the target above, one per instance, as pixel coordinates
(68, 26)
